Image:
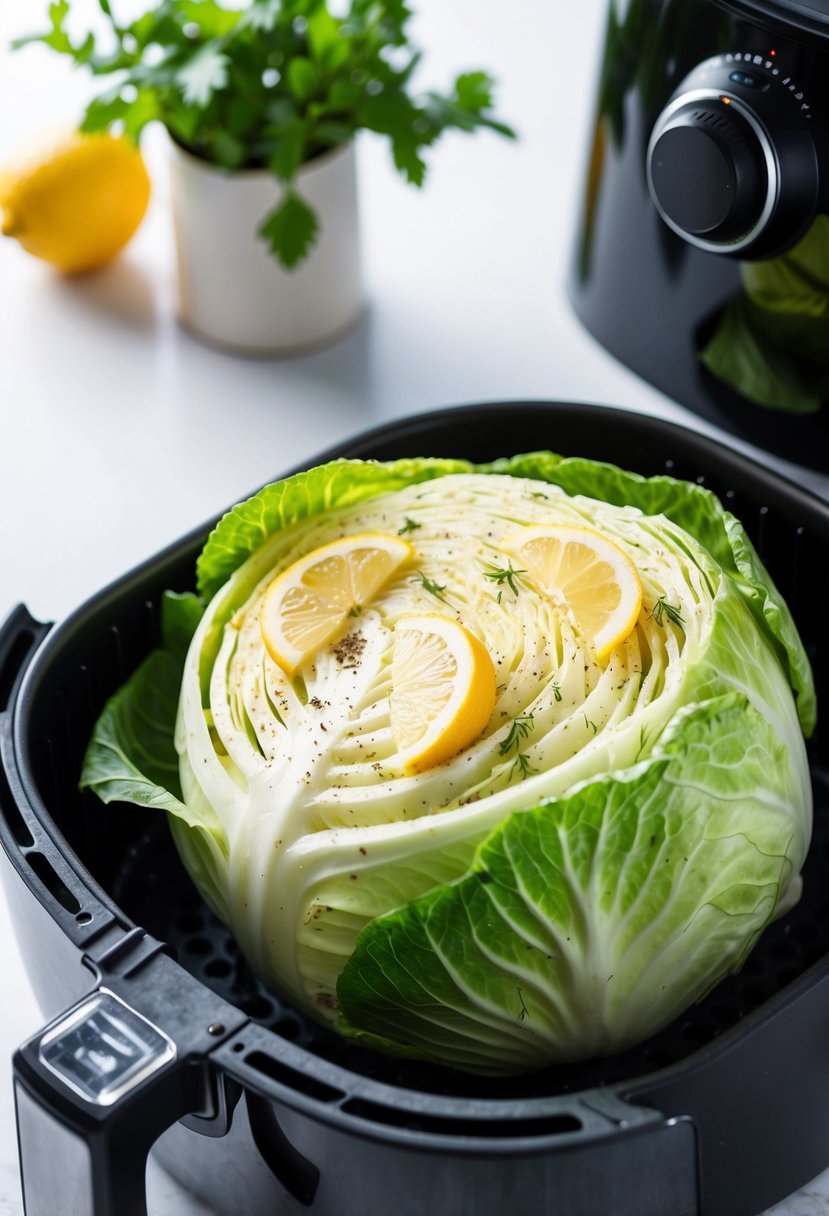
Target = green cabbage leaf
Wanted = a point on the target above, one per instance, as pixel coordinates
(771, 342)
(590, 921)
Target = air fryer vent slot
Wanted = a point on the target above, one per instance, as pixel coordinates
(52, 881)
(277, 1070)
(422, 1121)
(12, 664)
(11, 814)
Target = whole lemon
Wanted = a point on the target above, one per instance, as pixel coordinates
(76, 201)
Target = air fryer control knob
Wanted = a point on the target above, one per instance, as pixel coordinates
(733, 159)
(708, 174)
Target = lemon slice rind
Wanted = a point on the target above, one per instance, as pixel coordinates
(432, 723)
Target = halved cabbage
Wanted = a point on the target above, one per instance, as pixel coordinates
(608, 849)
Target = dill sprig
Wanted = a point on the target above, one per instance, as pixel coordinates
(556, 690)
(520, 729)
(435, 589)
(497, 574)
(409, 525)
(662, 609)
(522, 767)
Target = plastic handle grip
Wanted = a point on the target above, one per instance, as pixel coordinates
(93, 1092)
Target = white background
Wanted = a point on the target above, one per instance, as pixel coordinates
(119, 432)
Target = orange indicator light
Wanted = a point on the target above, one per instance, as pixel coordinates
(726, 101)
(772, 53)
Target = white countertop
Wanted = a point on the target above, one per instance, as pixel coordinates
(120, 432)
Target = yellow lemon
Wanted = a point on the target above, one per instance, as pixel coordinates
(308, 604)
(76, 201)
(443, 690)
(589, 574)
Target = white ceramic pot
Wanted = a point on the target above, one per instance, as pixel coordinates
(232, 291)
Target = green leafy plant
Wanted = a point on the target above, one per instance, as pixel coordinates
(271, 84)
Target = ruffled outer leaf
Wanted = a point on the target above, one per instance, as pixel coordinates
(587, 923)
(341, 483)
(698, 511)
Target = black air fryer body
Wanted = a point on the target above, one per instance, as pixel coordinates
(702, 256)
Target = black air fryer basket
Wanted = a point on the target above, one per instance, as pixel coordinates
(158, 1029)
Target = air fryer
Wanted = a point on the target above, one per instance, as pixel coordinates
(702, 257)
(158, 1029)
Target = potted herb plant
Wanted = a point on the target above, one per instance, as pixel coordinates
(262, 102)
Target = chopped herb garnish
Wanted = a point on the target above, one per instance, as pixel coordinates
(662, 609)
(521, 727)
(409, 525)
(521, 766)
(435, 589)
(589, 723)
(355, 610)
(556, 690)
(539, 494)
(498, 575)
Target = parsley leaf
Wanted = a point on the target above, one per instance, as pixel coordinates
(473, 90)
(203, 75)
(290, 230)
(303, 78)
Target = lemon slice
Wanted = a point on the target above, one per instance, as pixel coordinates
(308, 604)
(443, 690)
(592, 576)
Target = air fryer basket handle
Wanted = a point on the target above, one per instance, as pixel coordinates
(93, 1092)
(20, 635)
(96, 1087)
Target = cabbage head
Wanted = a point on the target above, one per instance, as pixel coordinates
(609, 848)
